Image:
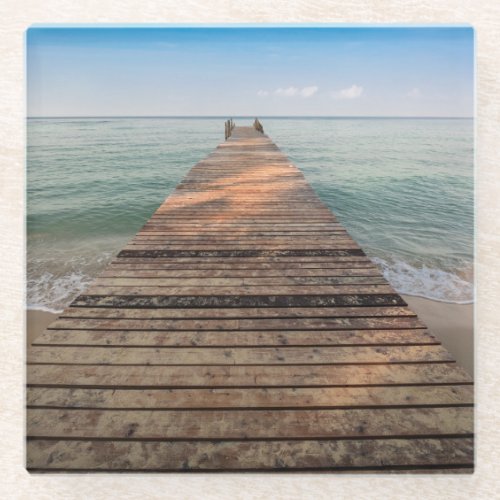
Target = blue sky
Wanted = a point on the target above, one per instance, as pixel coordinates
(348, 71)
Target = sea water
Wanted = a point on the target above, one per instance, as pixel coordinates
(403, 188)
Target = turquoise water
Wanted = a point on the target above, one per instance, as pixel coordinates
(402, 187)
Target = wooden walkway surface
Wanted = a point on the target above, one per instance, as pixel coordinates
(243, 329)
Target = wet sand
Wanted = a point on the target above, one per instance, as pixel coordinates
(452, 324)
(36, 322)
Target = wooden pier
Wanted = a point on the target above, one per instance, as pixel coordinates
(243, 329)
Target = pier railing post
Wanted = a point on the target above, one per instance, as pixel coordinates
(258, 126)
(228, 128)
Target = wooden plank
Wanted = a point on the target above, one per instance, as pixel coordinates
(237, 282)
(252, 219)
(257, 312)
(246, 424)
(231, 338)
(227, 229)
(380, 454)
(252, 262)
(323, 397)
(241, 290)
(248, 215)
(228, 234)
(239, 324)
(241, 253)
(159, 264)
(218, 301)
(244, 208)
(240, 239)
(143, 249)
(235, 237)
(242, 281)
(246, 376)
(234, 356)
(232, 223)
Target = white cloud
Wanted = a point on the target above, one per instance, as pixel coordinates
(288, 92)
(414, 93)
(352, 92)
(308, 91)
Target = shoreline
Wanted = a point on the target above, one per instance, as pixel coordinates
(452, 324)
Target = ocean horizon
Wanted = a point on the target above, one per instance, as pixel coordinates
(402, 187)
(279, 117)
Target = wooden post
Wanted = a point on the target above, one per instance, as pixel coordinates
(258, 126)
(228, 128)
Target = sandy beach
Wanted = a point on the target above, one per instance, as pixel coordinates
(36, 322)
(452, 324)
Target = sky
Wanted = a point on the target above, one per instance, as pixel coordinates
(250, 71)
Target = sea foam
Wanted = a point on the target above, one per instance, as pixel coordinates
(53, 293)
(427, 282)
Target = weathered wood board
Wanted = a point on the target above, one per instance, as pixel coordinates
(243, 329)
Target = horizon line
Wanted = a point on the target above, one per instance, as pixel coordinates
(247, 116)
